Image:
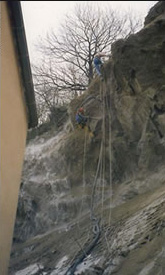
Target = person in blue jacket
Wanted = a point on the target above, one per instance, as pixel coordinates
(81, 118)
(98, 62)
(82, 121)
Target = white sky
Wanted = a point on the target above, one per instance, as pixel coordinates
(42, 16)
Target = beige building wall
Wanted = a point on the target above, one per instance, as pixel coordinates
(13, 138)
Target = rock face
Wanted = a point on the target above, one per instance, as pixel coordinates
(154, 12)
(72, 183)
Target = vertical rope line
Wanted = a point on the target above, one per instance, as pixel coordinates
(110, 162)
(98, 186)
(95, 180)
(103, 157)
(95, 185)
(84, 180)
(110, 170)
(109, 153)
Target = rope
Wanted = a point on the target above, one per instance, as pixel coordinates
(95, 180)
(100, 167)
(110, 170)
(79, 259)
(102, 158)
(103, 177)
(110, 167)
(84, 181)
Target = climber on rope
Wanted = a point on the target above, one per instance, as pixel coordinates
(98, 63)
(82, 120)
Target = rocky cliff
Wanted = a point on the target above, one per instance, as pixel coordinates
(96, 205)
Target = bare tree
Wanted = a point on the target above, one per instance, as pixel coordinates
(48, 95)
(67, 68)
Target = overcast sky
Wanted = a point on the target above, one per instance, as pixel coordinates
(42, 16)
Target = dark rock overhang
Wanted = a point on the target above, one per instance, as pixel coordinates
(17, 26)
(154, 12)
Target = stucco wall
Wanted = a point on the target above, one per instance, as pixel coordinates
(13, 138)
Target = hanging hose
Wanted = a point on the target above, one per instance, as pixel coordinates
(86, 252)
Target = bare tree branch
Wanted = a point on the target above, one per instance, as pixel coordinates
(67, 66)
